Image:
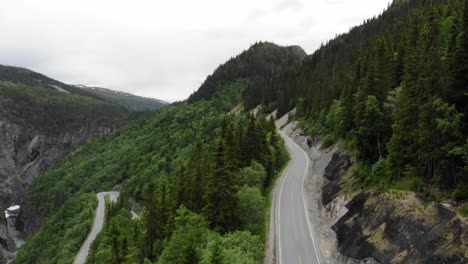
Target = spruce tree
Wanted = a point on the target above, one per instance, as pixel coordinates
(459, 92)
(220, 197)
(114, 234)
(152, 219)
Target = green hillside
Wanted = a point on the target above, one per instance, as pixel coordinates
(261, 63)
(395, 90)
(198, 178)
(130, 101)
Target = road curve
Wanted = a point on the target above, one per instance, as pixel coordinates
(97, 226)
(295, 236)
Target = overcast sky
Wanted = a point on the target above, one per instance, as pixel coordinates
(161, 49)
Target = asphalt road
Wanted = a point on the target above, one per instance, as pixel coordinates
(295, 236)
(97, 226)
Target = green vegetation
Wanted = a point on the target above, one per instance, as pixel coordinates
(260, 64)
(29, 78)
(45, 109)
(199, 174)
(394, 91)
(130, 101)
(464, 211)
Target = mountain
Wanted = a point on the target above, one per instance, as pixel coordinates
(259, 64)
(392, 94)
(130, 101)
(382, 109)
(394, 87)
(42, 120)
(202, 177)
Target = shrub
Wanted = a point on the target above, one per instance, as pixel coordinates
(464, 211)
(328, 141)
(460, 193)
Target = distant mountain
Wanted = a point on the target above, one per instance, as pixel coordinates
(130, 101)
(262, 62)
(31, 78)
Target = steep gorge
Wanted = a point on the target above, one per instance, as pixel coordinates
(39, 125)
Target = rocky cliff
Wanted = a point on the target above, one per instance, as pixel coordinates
(364, 226)
(41, 120)
(24, 154)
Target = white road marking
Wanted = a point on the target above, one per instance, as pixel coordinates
(303, 197)
(279, 211)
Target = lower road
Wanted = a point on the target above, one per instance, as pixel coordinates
(97, 226)
(295, 237)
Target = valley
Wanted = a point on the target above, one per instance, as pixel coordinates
(354, 153)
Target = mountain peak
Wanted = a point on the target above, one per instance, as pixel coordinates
(262, 61)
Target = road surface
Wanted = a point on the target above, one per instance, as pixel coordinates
(97, 226)
(295, 237)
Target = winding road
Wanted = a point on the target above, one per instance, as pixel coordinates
(97, 225)
(294, 234)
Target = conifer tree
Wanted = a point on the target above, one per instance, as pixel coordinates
(201, 168)
(459, 92)
(152, 219)
(220, 197)
(114, 234)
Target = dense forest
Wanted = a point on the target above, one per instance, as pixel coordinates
(130, 101)
(201, 177)
(197, 178)
(395, 90)
(45, 109)
(261, 63)
(27, 77)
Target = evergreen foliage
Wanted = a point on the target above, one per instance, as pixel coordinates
(394, 88)
(184, 165)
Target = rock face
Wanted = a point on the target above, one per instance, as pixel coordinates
(24, 155)
(395, 226)
(369, 227)
(338, 166)
(400, 228)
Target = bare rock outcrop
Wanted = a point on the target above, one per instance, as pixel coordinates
(24, 155)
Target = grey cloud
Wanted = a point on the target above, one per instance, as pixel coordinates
(157, 49)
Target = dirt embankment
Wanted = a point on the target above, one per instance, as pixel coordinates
(360, 226)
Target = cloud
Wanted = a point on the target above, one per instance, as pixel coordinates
(161, 49)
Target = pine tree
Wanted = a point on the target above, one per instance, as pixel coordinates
(152, 219)
(402, 144)
(220, 201)
(459, 91)
(200, 165)
(252, 146)
(114, 234)
(369, 134)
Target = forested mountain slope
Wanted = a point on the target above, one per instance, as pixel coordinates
(130, 101)
(197, 177)
(259, 64)
(393, 93)
(39, 124)
(395, 89)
